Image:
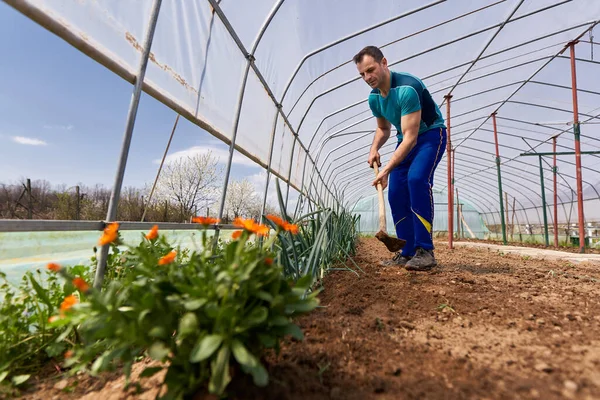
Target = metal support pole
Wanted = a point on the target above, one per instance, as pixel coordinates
(576, 131)
(238, 113)
(452, 181)
(77, 203)
(162, 162)
(264, 202)
(450, 193)
(458, 221)
(544, 202)
(503, 222)
(131, 115)
(554, 171)
(29, 200)
(287, 190)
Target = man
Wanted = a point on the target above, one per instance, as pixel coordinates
(402, 100)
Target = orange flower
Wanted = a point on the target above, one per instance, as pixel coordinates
(268, 260)
(81, 284)
(68, 353)
(278, 221)
(250, 225)
(53, 267)
(168, 259)
(205, 220)
(68, 302)
(110, 234)
(236, 235)
(153, 233)
(293, 229)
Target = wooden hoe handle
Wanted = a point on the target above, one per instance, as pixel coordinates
(382, 223)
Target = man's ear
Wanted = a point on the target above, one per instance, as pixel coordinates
(384, 62)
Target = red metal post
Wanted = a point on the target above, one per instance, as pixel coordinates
(450, 176)
(554, 171)
(502, 220)
(576, 131)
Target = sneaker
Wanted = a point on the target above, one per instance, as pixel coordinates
(422, 261)
(397, 261)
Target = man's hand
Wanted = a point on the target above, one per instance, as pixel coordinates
(374, 157)
(382, 178)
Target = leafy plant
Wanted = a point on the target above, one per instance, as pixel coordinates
(28, 339)
(204, 317)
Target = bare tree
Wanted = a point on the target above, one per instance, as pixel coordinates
(189, 182)
(242, 199)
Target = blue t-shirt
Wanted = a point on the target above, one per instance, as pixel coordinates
(407, 95)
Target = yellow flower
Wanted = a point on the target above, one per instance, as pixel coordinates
(153, 233)
(167, 259)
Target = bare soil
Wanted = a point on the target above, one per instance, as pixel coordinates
(479, 326)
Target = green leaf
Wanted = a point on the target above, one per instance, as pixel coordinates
(54, 349)
(3, 375)
(267, 340)
(205, 347)
(305, 282)
(158, 332)
(41, 292)
(294, 331)
(220, 378)
(20, 379)
(264, 296)
(279, 320)
(259, 375)
(150, 371)
(192, 305)
(158, 351)
(257, 316)
(188, 324)
(242, 355)
(212, 310)
(143, 315)
(303, 306)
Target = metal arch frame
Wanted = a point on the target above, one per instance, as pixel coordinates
(436, 47)
(506, 21)
(346, 143)
(480, 77)
(455, 67)
(591, 26)
(431, 27)
(348, 37)
(251, 64)
(115, 194)
(558, 134)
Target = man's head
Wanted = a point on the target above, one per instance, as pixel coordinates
(372, 66)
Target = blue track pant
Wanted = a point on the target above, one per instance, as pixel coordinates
(410, 192)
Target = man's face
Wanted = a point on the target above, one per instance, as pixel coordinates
(371, 71)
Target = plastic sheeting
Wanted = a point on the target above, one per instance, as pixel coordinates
(498, 56)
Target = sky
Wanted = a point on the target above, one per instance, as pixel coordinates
(62, 117)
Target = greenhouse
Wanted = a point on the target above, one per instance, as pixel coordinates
(262, 257)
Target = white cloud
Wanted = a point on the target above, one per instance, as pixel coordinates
(29, 141)
(59, 127)
(222, 154)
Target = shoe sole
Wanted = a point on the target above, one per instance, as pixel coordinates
(423, 268)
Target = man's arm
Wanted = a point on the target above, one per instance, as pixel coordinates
(382, 134)
(410, 130)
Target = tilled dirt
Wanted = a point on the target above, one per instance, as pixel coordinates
(481, 325)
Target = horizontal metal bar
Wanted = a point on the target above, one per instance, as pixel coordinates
(559, 153)
(44, 225)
